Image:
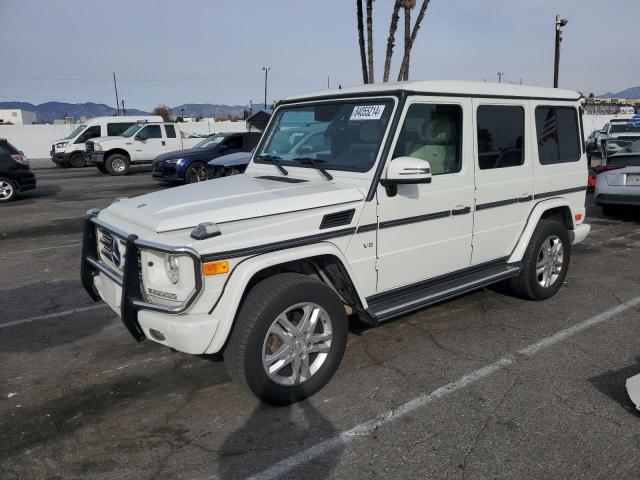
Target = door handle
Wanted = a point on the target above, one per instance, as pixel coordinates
(163, 143)
(525, 197)
(460, 210)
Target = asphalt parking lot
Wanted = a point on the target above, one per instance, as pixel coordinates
(483, 386)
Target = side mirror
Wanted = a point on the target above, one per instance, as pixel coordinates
(407, 170)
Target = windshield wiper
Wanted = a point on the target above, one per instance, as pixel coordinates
(315, 164)
(275, 160)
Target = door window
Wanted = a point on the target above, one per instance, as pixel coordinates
(500, 136)
(171, 131)
(234, 142)
(89, 133)
(558, 135)
(117, 129)
(151, 131)
(434, 133)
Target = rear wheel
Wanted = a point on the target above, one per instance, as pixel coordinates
(289, 338)
(545, 262)
(117, 164)
(8, 190)
(77, 160)
(197, 172)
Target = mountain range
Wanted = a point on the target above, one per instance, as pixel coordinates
(50, 111)
(633, 92)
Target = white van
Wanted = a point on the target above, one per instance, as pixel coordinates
(422, 192)
(69, 151)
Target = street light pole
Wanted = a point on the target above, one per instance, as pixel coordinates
(500, 75)
(266, 81)
(556, 66)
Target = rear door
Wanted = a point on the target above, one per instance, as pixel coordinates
(504, 176)
(173, 141)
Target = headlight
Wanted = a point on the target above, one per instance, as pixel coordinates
(173, 269)
(97, 147)
(61, 145)
(175, 161)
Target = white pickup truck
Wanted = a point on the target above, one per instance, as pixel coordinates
(139, 144)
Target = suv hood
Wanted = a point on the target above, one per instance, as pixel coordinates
(205, 153)
(227, 199)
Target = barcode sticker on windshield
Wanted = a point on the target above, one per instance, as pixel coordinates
(367, 112)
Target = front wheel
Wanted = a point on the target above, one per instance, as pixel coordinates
(117, 164)
(289, 338)
(8, 190)
(77, 160)
(197, 172)
(545, 262)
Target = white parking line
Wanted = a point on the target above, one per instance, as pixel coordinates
(52, 315)
(319, 449)
(33, 250)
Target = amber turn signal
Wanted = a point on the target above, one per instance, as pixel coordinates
(215, 268)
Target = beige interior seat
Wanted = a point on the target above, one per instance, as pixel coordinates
(438, 146)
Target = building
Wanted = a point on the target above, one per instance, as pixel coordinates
(17, 116)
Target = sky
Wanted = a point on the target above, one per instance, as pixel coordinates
(213, 51)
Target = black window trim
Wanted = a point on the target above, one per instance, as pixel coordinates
(578, 132)
(166, 131)
(524, 135)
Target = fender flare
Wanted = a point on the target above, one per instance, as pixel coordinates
(226, 307)
(532, 222)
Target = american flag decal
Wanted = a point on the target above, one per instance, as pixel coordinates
(550, 127)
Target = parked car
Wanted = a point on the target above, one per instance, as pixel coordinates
(15, 174)
(70, 151)
(616, 135)
(231, 164)
(139, 144)
(190, 166)
(427, 190)
(618, 183)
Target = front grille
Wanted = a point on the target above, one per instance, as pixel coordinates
(107, 245)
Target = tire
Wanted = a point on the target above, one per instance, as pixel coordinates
(8, 190)
(117, 164)
(533, 284)
(101, 168)
(252, 339)
(77, 160)
(196, 172)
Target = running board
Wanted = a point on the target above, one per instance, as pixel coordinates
(388, 305)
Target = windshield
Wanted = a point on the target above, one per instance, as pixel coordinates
(75, 132)
(625, 128)
(211, 141)
(131, 131)
(338, 135)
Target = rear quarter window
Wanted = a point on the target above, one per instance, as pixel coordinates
(558, 135)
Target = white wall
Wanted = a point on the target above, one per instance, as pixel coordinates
(17, 116)
(35, 140)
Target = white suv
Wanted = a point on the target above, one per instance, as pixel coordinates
(418, 192)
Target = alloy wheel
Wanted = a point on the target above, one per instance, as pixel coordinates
(297, 344)
(550, 261)
(6, 190)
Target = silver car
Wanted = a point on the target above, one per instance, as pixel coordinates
(618, 182)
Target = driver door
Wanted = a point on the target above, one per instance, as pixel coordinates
(149, 143)
(425, 230)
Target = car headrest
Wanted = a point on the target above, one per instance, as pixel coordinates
(440, 131)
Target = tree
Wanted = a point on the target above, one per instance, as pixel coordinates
(163, 111)
(370, 38)
(391, 39)
(363, 54)
(408, 5)
(409, 44)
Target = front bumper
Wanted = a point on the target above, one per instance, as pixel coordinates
(123, 293)
(164, 172)
(95, 158)
(59, 158)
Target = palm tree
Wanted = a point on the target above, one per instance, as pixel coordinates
(391, 40)
(370, 38)
(363, 55)
(408, 5)
(404, 67)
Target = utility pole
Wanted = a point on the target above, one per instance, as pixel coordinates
(266, 81)
(124, 112)
(500, 75)
(556, 66)
(328, 84)
(115, 86)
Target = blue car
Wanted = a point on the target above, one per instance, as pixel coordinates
(190, 166)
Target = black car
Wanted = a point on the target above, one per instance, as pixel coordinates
(15, 175)
(190, 166)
